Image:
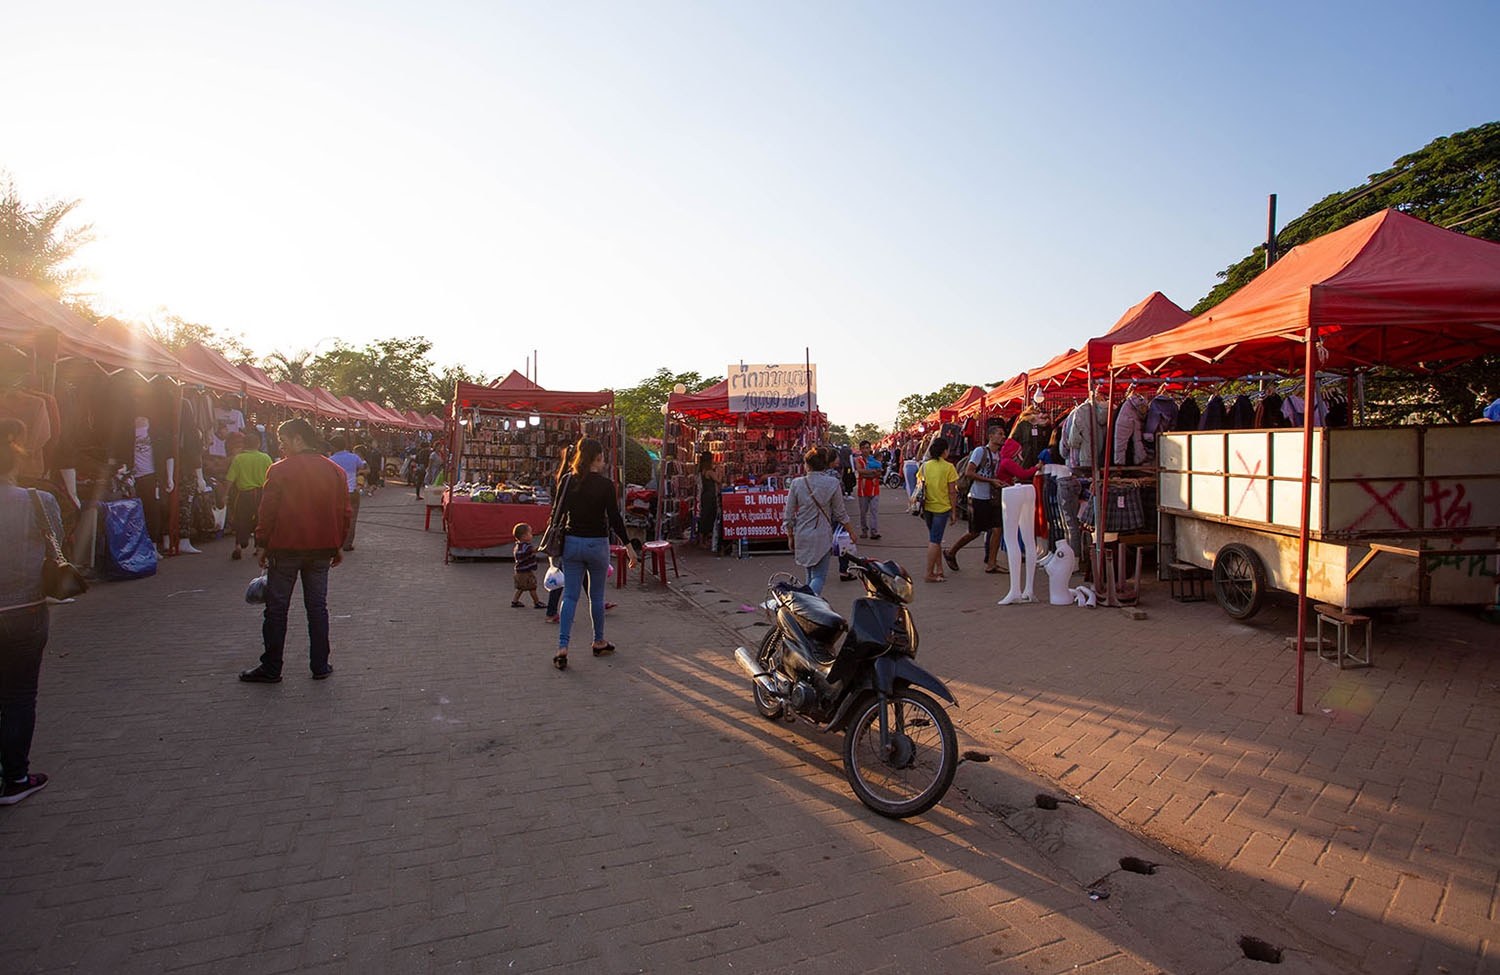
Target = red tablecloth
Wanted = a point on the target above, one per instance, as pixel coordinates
(473, 524)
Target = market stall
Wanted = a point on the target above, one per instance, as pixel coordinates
(1388, 290)
(507, 442)
(757, 452)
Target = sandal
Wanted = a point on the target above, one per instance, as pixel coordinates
(560, 661)
(952, 560)
(515, 604)
(934, 579)
(993, 570)
(605, 650)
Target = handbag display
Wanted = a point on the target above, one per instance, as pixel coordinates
(60, 578)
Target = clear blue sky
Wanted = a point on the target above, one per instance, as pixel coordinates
(919, 192)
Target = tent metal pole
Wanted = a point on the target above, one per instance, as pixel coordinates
(1308, 389)
(1112, 598)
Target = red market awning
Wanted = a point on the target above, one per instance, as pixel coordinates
(1006, 393)
(1387, 290)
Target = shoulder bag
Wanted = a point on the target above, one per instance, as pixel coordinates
(60, 578)
(556, 534)
(919, 496)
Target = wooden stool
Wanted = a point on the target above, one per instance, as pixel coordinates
(1188, 582)
(1341, 620)
(659, 552)
(427, 525)
(619, 553)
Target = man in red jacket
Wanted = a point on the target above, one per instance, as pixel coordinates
(304, 515)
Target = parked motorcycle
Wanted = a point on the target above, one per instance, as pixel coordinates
(900, 751)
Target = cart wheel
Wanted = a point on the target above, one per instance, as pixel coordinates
(1239, 581)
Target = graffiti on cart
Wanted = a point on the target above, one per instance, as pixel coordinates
(1470, 565)
(1447, 504)
(1382, 503)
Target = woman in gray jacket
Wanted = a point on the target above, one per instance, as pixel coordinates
(23, 616)
(814, 505)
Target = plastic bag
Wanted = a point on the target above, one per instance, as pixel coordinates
(259, 586)
(843, 544)
(553, 580)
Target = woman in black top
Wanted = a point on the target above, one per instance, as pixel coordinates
(590, 511)
(708, 500)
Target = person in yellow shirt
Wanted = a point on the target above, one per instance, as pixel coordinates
(246, 477)
(940, 480)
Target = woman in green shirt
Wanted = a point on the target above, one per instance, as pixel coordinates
(246, 477)
(941, 481)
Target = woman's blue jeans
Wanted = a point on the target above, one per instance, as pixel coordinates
(818, 574)
(583, 557)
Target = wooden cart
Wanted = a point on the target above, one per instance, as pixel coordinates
(1400, 516)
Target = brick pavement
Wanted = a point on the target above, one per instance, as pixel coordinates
(448, 802)
(1366, 824)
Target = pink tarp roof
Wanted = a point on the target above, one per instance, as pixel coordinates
(231, 379)
(525, 395)
(1386, 290)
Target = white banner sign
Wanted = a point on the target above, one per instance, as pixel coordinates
(772, 388)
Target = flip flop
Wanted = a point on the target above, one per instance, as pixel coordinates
(560, 661)
(952, 561)
(992, 571)
(605, 650)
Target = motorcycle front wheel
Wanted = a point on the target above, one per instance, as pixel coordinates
(914, 773)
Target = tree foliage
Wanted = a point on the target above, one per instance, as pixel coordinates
(289, 366)
(915, 407)
(35, 245)
(641, 404)
(176, 332)
(394, 372)
(838, 434)
(866, 431)
(1452, 182)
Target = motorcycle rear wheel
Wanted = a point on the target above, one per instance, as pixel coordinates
(916, 776)
(769, 707)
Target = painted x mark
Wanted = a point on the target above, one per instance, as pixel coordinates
(1251, 487)
(1382, 501)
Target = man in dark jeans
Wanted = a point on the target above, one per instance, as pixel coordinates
(304, 515)
(419, 462)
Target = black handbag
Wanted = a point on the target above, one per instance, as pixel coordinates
(60, 578)
(555, 536)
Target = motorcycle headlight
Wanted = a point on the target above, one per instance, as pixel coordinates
(902, 588)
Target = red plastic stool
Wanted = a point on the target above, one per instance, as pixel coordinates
(427, 525)
(659, 552)
(619, 553)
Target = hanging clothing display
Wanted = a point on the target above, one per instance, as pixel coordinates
(1242, 414)
(1268, 412)
(1188, 415)
(1130, 428)
(1214, 415)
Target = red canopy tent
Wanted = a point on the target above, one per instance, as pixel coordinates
(1386, 290)
(358, 411)
(1006, 393)
(384, 414)
(1070, 372)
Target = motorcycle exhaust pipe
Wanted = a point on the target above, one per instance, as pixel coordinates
(753, 671)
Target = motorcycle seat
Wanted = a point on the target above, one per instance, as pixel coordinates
(816, 618)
